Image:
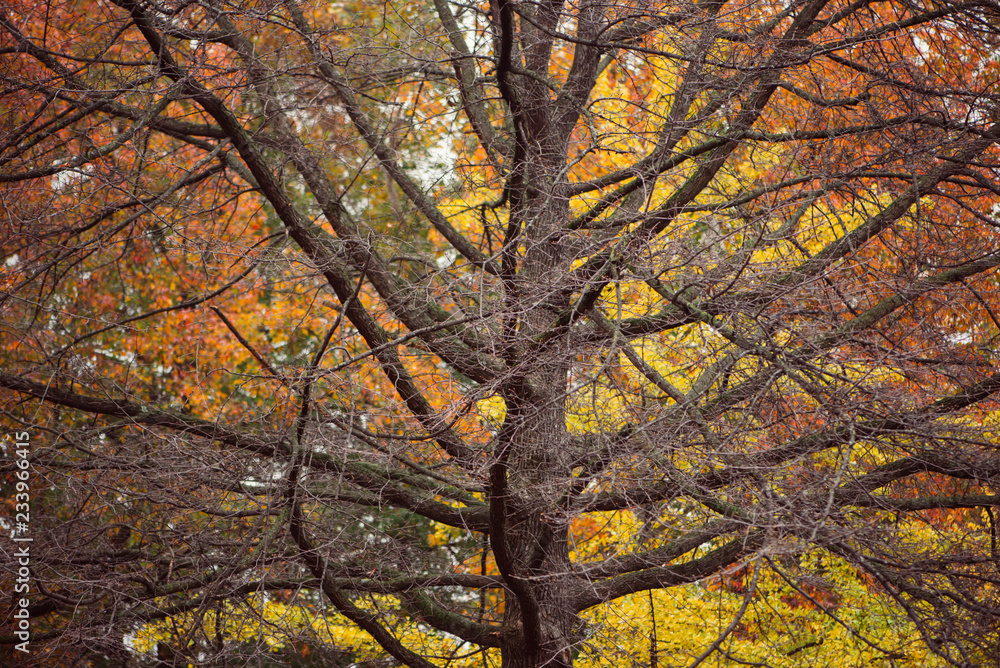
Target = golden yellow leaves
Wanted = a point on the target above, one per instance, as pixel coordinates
(810, 610)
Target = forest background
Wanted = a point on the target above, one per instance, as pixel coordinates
(505, 333)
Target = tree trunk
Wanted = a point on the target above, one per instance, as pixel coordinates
(540, 627)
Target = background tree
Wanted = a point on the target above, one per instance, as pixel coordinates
(493, 333)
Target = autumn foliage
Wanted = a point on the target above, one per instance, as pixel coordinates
(503, 334)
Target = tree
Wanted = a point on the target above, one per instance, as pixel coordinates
(426, 331)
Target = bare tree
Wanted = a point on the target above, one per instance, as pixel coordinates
(289, 287)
